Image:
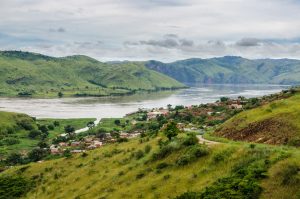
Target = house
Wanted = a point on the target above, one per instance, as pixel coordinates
(77, 151)
(235, 106)
(62, 144)
(124, 135)
(55, 150)
(154, 113)
(97, 143)
(74, 144)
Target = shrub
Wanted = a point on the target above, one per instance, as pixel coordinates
(25, 124)
(191, 139)
(10, 141)
(289, 174)
(222, 155)
(191, 154)
(14, 158)
(147, 148)
(37, 154)
(140, 175)
(34, 133)
(50, 127)
(56, 123)
(162, 165)
(14, 186)
(120, 140)
(139, 154)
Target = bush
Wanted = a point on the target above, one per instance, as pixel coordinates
(56, 123)
(14, 186)
(10, 141)
(139, 154)
(14, 158)
(120, 140)
(34, 133)
(25, 124)
(289, 174)
(162, 165)
(51, 127)
(37, 154)
(140, 175)
(147, 149)
(191, 154)
(191, 139)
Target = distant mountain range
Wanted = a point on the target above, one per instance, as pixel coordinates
(31, 74)
(231, 69)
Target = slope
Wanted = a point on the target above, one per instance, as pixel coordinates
(29, 74)
(275, 123)
(231, 69)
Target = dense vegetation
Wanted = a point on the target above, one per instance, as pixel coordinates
(231, 70)
(29, 74)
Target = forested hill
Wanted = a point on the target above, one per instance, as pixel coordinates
(231, 69)
(30, 74)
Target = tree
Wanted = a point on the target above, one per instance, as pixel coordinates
(14, 158)
(169, 107)
(56, 123)
(117, 122)
(224, 99)
(44, 129)
(34, 133)
(69, 130)
(90, 124)
(37, 154)
(60, 94)
(171, 130)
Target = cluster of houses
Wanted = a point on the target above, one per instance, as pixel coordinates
(157, 112)
(88, 143)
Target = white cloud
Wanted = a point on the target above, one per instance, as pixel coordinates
(160, 29)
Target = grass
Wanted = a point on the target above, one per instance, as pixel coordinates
(29, 74)
(274, 123)
(114, 171)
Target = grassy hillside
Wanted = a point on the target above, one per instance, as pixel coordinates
(275, 123)
(231, 70)
(29, 74)
(15, 130)
(129, 170)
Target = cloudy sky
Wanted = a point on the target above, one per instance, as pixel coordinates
(165, 30)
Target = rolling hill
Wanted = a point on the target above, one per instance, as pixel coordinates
(231, 69)
(273, 123)
(128, 170)
(29, 74)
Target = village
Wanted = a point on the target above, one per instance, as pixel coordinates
(211, 112)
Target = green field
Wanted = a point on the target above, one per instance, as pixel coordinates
(29, 74)
(76, 123)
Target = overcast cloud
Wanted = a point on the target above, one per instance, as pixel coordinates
(165, 30)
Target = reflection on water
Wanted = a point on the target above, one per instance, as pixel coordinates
(119, 106)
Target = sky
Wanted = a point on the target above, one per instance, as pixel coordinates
(165, 30)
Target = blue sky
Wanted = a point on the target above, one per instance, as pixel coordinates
(165, 30)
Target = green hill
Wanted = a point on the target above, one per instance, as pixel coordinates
(29, 74)
(20, 133)
(275, 123)
(129, 170)
(231, 69)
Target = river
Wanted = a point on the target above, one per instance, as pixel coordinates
(92, 107)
